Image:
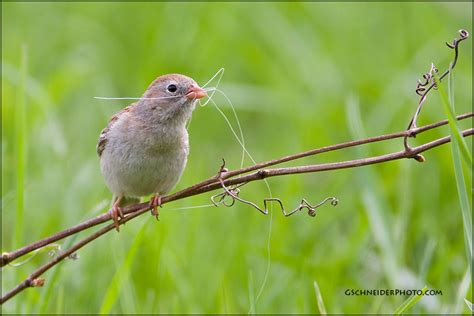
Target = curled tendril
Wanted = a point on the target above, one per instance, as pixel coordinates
(424, 86)
(312, 209)
(463, 34)
(428, 82)
(428, 79)
(232, 193)
(222, 198)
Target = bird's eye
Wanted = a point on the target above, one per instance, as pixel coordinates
(172, 88)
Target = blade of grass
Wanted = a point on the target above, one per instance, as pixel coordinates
(463, 200)
(121, 275)
(461, 293)
(319, 298)
(408, 303)
(469, 304)
(453, 123)
(466, 281)
(459, 148)
(20, 140)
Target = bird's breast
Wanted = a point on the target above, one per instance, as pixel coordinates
(142, 162)
(164, 140)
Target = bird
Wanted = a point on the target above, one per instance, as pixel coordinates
(145, 146)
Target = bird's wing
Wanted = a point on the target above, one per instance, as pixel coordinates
(104, 134)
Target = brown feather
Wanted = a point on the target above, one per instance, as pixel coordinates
(103, 135)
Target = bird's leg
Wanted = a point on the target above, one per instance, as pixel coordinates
(116, 211)
(155, 202)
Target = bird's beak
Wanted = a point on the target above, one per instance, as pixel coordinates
(196, 92)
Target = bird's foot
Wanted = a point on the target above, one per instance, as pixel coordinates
(116, 212)
(155, 202)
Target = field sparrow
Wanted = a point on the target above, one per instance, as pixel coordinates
(144, 148)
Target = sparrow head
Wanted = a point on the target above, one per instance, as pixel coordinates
(175, 88)
(172, 96)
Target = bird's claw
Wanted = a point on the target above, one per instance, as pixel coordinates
(115, 213)
(155, 202)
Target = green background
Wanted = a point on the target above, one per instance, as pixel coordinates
(301, 76)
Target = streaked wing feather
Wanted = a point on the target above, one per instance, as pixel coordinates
(104, 134)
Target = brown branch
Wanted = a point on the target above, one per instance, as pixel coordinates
(213, 184)
(10, 256)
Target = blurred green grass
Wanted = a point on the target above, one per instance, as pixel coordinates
(301, 75)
